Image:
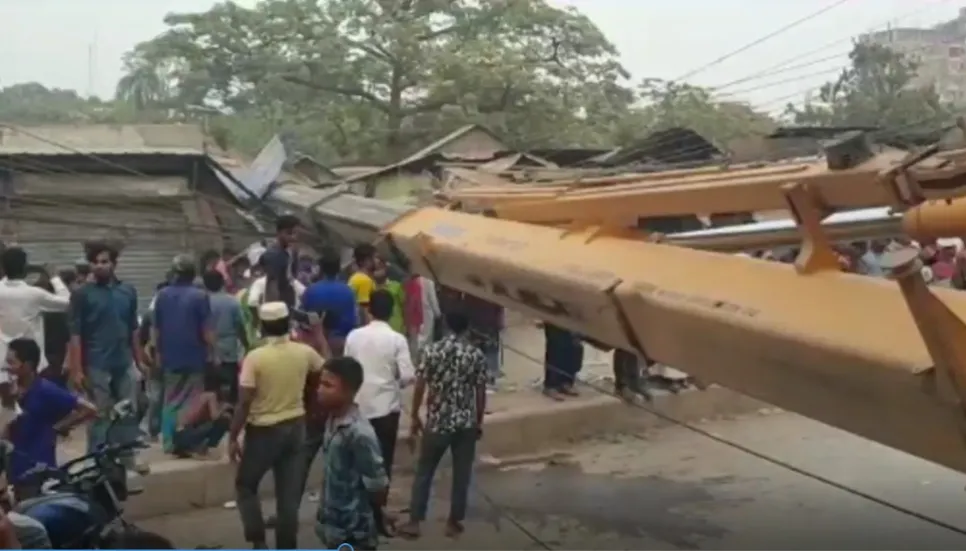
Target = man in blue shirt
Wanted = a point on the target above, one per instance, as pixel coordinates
(46, 410)
(229, 331)
(334, 299)
(184, 343)
(104, 343)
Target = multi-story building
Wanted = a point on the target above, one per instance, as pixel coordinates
(940, 52)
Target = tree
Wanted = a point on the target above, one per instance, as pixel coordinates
(375, 76)
(34, 103)
(878, 89)
(145, 85)
(671, 104)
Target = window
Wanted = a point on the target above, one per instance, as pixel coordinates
(957, 51)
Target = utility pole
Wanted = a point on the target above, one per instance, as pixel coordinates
(91, 65)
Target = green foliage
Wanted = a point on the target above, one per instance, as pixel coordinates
(877, 89)
(33, 103)
(671, 104)
(372, 80)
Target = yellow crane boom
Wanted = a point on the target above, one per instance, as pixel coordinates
(874, 358)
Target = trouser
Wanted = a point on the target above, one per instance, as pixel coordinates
(313, 443)
(279, 448)
(228, 378)
(154, 391)
(201, 437)
(627, 372)
(107, 388)
(30, 532)
(562, 360)
(462, 447)
(387, 433)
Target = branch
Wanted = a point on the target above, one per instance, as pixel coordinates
(375, 51)
(468, 24)
(342, 91)
(435, 105)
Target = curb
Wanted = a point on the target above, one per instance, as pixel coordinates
(181, 486)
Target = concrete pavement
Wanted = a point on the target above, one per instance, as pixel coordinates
(521, 421)
(672, 488)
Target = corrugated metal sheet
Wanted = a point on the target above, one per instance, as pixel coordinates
(104, 139)
(489, 144)
(151, 236)
(352, 218)
(108, 185)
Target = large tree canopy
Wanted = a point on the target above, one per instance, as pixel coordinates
(387, 73)
(877, 89)
(375, 79)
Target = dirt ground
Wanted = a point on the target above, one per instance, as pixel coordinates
(675, 489)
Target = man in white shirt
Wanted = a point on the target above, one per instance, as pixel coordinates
(387, 368)
(256, 293)
(21, 312)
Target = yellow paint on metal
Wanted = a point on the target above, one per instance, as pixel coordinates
(840, 348)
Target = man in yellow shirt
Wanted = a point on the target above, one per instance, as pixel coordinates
(271, 411)
(361, 281)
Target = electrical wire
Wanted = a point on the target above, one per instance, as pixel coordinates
(723, 441)
(769, 36)
(881, 26)
(732, 444)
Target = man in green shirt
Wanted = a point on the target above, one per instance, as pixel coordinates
(381, 276)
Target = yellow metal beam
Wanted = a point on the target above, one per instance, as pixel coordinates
(839, 348)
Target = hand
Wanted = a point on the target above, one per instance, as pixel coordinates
(76, 379)
(234, 451)
(415, 430)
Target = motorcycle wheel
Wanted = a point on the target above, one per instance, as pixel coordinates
(132, 537)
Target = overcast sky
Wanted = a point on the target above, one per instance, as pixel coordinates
(78, 43)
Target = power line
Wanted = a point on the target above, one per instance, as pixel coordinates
(882, 25)
(737, 446)
(765, 38)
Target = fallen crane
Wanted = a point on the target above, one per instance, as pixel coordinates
(854, 352)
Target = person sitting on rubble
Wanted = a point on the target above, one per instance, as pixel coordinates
(204, 422)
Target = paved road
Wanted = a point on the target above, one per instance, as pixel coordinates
(672, 488)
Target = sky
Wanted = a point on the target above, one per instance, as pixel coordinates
(79, 43)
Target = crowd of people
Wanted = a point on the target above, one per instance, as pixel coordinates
(252, 349)
(287, 359)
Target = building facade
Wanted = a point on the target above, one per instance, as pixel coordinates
(940, 52)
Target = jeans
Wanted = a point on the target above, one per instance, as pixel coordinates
(200, 438)
(279, 448)
(462, 446)
(108, 387)
(387, 433)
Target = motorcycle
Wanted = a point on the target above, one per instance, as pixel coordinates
(82, 503)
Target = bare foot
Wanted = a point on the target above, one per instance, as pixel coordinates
(553, 395)
(409, 531)
(208, 455)
(569, 391)
(454, 529)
